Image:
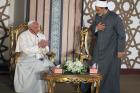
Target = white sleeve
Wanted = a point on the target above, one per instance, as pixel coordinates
(47, 49)
(23, 46)
(96, 30)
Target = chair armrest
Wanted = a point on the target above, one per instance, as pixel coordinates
(51, 56)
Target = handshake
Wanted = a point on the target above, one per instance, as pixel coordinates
(42, 43)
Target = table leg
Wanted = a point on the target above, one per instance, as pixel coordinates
(92, 87)
(49, 86)
(78, 88)
(52, 85)
(97, 86)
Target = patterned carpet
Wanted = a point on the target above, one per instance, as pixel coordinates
(129, 84)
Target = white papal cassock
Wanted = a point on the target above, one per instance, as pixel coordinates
(29, 67)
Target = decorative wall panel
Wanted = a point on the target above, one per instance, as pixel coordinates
(4, 17)
(55, 33)
(61, 21)
(129, 11)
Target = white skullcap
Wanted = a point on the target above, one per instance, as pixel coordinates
(30, 22)
(101, 3)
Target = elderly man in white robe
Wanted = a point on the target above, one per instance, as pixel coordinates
(33, 47)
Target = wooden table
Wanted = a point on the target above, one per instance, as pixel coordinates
(72, 78)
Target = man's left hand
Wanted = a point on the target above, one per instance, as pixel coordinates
(120, 54)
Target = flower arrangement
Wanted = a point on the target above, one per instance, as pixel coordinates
(75, 67)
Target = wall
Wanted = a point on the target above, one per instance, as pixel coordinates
(129, 11)
(4, 17)
(12, 13)
(17, 12)
(60, 20)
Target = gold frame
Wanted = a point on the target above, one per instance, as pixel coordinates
(87, 41)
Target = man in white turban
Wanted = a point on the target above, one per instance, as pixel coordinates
(109, 46)
(33, 47)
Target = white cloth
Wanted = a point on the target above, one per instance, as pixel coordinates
(99, 3)
(28, 69)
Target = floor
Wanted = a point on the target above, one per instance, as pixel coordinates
(129, 84)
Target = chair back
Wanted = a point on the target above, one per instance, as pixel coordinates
(13, 35)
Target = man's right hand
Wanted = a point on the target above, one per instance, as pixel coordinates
(100, 26)
(121, 54)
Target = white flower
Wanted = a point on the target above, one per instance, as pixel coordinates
(74, 67)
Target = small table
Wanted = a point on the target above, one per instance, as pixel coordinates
(72, 78)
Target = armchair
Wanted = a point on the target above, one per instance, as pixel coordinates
(13, 35)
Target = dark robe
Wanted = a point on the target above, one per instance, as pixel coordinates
(108, 43)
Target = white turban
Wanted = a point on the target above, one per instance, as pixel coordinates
(101, 3)
(30, 22)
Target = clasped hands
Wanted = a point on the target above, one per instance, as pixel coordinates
(43, 43)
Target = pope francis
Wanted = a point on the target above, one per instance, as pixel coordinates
(32, 46)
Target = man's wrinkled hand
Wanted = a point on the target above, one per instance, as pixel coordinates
(42, 43)
(100, 26)
(120, 54)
